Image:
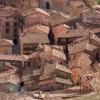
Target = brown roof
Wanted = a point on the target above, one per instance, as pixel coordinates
(77, 33)
(39, 28)
(59, 17)
(5, 42)
(77, 47)
(53, 51)
(61, 30)
(7, 11)
(13, 57)
(34, 11)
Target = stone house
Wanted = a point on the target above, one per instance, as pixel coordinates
(6, 46)
(54, 54)
(56, 75)
(33, 36)
(35, 16)
(9, 28)
(59, 5)
(58, 17)
(92, 16)
(88, 49)
(60, 32)
(19, 3)
(8, 79)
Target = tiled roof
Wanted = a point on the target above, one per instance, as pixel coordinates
(77, 47)
(42, 11)
(59, 17)
(12, 57)
(19, 96)
(7, 11)
(61, 30)
(5, 42)
(39, 28)
(77, 33)
(34, 11)
(53, 51)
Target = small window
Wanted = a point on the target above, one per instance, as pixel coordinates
(22, 84)
(7, 30)
(15, 24)
(15, 35)
(6, 51)
(15, 18)
(1, 3)
(15, 30)
(51, 61)
(98, 57)
(28, 63)
(15, 41)
(47, 4)
(7, 24)
(61, 63)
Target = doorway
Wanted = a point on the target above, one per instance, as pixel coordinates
(15, 41)
(47, 5)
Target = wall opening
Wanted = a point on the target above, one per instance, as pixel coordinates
(15, 41)
(47, 5)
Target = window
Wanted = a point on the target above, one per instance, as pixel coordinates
(6, 51)
(50, 61)
(0, 2)
(98, 57)
(15, 41)
(15, 24)
(7, 30)
(28, 63)
(63, 40)
(15, 35)
(7, 24)
(21, 84)
(47, 5)
(15, 30)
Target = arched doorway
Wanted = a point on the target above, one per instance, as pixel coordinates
(47, 5)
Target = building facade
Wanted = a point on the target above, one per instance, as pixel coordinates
(59, 5)
(9, 24)
(19, 3)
